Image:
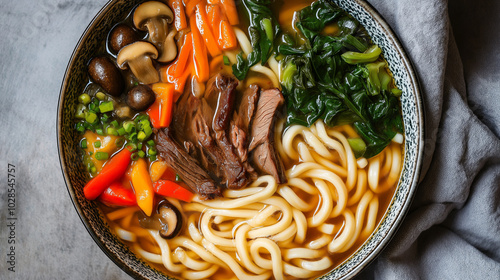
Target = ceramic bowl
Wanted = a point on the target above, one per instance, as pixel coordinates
(73, 170)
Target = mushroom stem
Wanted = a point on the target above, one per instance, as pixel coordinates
(169, 51)
(157, 29)
(143, 70)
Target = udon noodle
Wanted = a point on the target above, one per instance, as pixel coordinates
(301, 229)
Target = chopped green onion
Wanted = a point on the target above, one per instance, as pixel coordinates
(128, 126)
(97, 144)
(91, 117)
(83, 143)
(133, 137)
(152, 151)
(101, 156)
(106, 106)
(151, 142)
(99, 131)
(93, 170)
(131, 147)
(121, 131)
(141, 153)
(80, 127)
(152, 158)
(115, 123)
(112, 131)
(178, 178)
(119, 142)
(84, 99)
(104, 118)
(141, 136)
(91, 153)
(148, 131)
(80, 111)
(139, 146)
(226, 60)
(134, 156)
(100, 95)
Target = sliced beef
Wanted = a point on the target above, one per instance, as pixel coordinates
(186, 166)
(264, 156)
(220, 96)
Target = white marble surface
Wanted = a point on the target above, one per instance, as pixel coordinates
(36, 42)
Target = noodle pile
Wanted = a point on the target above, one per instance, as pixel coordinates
(294, 230)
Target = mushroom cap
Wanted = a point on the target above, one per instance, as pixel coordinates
(135, 50)
(151, 9)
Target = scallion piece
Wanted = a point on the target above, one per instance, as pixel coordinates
(106, 107)
(112, 131)
(104, 118)
(97, 144)
(80, 127)
(99, 131)
(152, 158)
(177, 178)
(121, 131)
(83, 143)
(128, 126)
(93, 170)
(141, 136)
(226, 60)
(80, 111)
(101, 156)
(131, 147)
(100, 95)
(139, 146)
(91, 117)
(115, 123)
(84, 99)
(151, 143)
(134, 156)
(141, 153)
(152, 151)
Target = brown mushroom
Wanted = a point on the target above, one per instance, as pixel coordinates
(104, 72)
(154, 17)
(167, 220)
(120, 36)
(140, 97)
(169, 48)
(139, 58)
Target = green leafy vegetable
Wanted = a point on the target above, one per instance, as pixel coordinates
(339, 79)
(263, 30)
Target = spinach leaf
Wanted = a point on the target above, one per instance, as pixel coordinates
(339, 79)
(263, 30)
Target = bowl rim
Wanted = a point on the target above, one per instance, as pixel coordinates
(396, 223)
(86, 33)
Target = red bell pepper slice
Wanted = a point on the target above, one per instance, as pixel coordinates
(117, 195)
(112, 171)
(172, 189)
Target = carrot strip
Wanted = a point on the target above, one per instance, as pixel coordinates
(180, 21)
(205, 31)
(227, 38)
(182, 59)
(214, 15)
(231, 12)
(191, 7)
(165, 92)
(154, 113)
(213, 2)
(200, 57)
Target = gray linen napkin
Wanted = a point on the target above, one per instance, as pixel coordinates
(453, 228)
